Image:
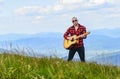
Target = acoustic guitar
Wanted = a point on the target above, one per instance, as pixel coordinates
(69, 43)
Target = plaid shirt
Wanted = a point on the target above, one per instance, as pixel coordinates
(71, 31)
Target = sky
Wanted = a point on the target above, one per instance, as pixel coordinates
(35, 16)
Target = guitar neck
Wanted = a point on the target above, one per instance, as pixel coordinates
(83, 34)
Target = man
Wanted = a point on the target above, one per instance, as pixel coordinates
(78, 30)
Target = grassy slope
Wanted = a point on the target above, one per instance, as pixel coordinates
(21, 67)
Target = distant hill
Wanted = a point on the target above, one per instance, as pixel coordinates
(102, 42)
(112, 58)
(41, 40)
(97, 40)
(52, 44)
(7, 37)
(107, 32)
(106, 59)
(3, 50)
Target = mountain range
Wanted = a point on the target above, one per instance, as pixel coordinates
(107, 59)
(51, 44)
(98, 39)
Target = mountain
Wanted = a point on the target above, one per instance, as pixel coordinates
(3, 50)
(41, 42)
(102, 42)
(49, 40)
(51, 44)
(98, 40)
(55, 40)
(7, 37)
(106, 59)
(107, 32)
(111, 58)
(10, 37)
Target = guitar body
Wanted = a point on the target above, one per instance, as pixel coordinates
(69, 43)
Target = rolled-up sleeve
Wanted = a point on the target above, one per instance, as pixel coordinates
(84, 31)
(66, 34)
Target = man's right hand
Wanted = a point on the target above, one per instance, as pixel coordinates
(70, 38)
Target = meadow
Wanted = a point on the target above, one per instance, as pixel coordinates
(14, 66)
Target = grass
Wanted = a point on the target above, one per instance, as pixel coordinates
(13, 66)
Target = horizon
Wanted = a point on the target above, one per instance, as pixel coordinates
(33, 17)
(107, 29)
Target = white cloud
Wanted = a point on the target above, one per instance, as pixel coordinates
(115, 15)
(58, 7)
(114, 12)
(83, 3)
(86, 4)
(109, 12)
(114, 1)
(1, 2)
(71, 1)
(33, 9)
(98, 2)
(70, 5)
(38, 17)
(62, 5)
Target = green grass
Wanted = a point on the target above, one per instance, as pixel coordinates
(14, 66)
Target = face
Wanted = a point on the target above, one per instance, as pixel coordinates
(74, 21)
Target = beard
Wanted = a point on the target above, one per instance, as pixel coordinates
(75, 24)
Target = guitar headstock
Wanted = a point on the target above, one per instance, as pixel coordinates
(87, 33)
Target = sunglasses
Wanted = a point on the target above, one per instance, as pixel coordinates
(74, 20)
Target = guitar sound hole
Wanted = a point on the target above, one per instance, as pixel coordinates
(72, 39)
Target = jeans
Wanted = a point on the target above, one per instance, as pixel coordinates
(81, 52)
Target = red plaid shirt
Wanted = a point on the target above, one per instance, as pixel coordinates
(71, 31)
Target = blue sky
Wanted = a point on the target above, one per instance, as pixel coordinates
(35, 16)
